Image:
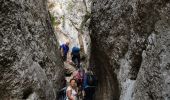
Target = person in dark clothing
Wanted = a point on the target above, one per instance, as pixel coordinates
(76, 56)
(89, 86)
(89, 93)
(61, 94)
(64, 50)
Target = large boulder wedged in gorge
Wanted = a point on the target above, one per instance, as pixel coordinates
(30, 64)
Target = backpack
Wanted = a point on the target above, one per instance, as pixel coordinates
(91, 80)
(79, 78)
(75, 50)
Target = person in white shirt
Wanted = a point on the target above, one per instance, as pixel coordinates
(71, 91)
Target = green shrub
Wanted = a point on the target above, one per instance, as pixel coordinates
(53, 20)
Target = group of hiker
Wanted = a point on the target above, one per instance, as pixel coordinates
(82, 85)
(75, 54)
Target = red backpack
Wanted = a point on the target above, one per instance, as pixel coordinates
(79, 77)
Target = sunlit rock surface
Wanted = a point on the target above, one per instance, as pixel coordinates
(72, 19)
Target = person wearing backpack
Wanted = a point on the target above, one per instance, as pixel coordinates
(71, 91)
(89, 85)
(76, 56)
(64, 49)
(79, 77)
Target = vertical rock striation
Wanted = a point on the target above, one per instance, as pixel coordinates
(71, 22)
(130, 48)
(30, 63)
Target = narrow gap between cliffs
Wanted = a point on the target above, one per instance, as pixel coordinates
(94, 77)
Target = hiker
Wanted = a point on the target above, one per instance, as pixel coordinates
(79, 78)
(64, 48)
(76, 56)
(61, 94)
(89, 85)
(71, 91)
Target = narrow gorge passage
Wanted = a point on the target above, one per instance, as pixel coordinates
(126, 43)
(72, 22)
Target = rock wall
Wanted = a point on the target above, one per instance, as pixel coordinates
(30, 63)
(130, 49)
(72, 18)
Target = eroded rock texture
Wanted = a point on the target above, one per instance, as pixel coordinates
(30, 65)
(71, 22)
(130, 48)
(68, 16)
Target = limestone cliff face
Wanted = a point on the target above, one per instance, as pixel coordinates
(130, 48)
(30, 64)
(71, 22)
